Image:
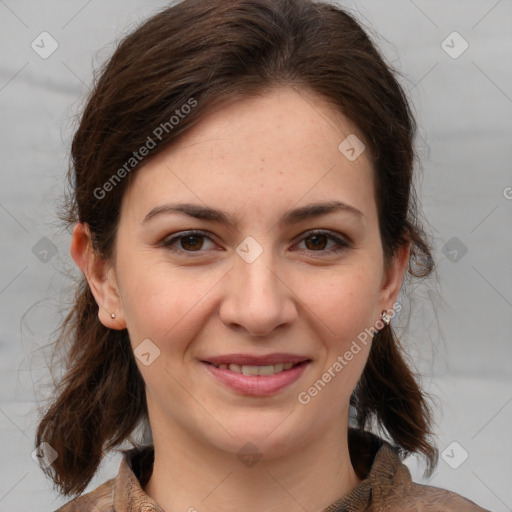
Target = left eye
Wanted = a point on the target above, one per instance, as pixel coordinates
(319, 239)
(193, 241)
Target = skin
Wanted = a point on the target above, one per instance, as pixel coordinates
(255, 159)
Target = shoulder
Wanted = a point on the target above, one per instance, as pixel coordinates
(100, 499)
(122, 493)
(425, 498)
(401, 493)
(392, 488)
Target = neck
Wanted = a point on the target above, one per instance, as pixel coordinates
(190, 476)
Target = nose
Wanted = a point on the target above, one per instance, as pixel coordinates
(257, 297)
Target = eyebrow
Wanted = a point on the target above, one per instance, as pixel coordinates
(291, 217)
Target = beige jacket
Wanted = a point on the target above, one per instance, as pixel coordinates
(386, 485)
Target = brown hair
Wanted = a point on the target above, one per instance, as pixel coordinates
(205, 52)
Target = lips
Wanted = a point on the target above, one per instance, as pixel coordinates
(257, 375)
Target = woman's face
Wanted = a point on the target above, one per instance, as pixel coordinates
(254, 286)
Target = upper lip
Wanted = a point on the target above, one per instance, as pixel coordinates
(251, 360)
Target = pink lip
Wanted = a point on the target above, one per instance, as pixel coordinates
(257, 385)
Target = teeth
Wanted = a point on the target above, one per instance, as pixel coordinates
(266, 370)
(251, 370)
(271, 369)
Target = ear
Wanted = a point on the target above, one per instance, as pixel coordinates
(393, 277)
(100, 276)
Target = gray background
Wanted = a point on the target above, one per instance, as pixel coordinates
(459, 326)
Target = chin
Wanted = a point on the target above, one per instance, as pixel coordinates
(270, 437)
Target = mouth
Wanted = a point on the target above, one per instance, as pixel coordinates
(257, 375)
(264, 370)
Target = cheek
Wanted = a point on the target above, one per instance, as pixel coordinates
(346, 301)
(163, 303)
(343, 316)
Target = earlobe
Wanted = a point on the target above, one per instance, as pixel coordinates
(394, 277)
(100, 276)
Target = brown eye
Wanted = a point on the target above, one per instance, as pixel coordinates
(187, 242)
(318, 241)
(191, 242)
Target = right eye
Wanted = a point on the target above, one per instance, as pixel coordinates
(190, 241)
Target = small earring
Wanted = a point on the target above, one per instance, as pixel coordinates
(385, 317)
(112, 315)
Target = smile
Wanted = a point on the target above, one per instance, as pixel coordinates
(270, 369)
(246, 377)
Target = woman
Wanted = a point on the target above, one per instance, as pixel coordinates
(244, 217)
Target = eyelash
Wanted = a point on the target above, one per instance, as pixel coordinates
(342, 244)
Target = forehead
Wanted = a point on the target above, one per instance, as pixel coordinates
(280, 148)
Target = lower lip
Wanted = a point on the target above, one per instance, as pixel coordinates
(257, 385)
